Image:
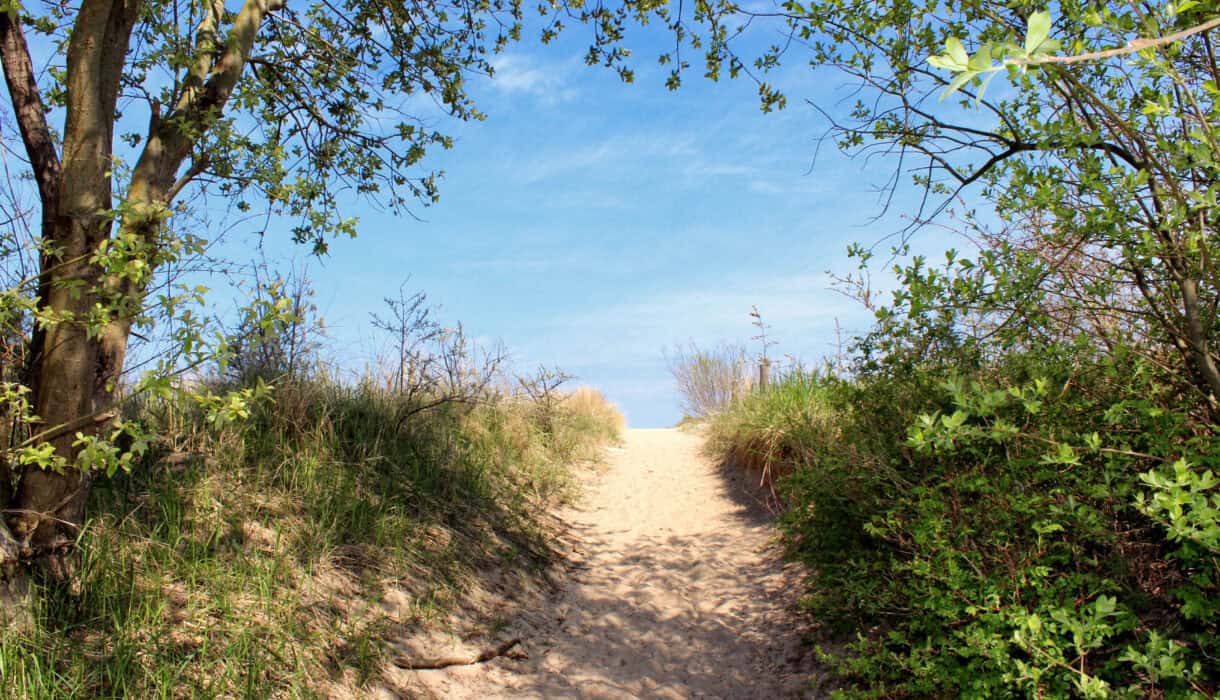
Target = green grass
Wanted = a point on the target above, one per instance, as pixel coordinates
(276, 558)
(771, 431)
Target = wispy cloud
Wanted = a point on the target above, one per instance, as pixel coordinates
(524, 75)
(612, 156)
(555, 162)
(530, 263)
(792, 185)
(794, 302)
(801, 310)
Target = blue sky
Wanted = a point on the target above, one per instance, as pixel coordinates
(592, 225)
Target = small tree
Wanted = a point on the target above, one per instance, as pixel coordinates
(290, 105)
(278, 334)
(412, 328)
(434, 365)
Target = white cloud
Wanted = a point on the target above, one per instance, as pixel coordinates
(555, 162)
(793, 185)
(523, 75)
(800, 309)
(627, 152)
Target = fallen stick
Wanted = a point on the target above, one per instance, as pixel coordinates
(445, 661)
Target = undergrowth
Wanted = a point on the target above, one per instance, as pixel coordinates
(276, 556)
(1040, 525)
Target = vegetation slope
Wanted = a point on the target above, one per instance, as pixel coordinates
(279, 555)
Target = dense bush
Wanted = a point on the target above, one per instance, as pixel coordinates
(1014, 491)
(994, 516)
(1031, 534)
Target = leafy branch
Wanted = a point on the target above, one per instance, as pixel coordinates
(1039, 49)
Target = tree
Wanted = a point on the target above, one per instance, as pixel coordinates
(145, 102)
(432, 365)
(1101, 164)
(292, 105)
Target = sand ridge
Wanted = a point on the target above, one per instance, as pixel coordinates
(675, 591)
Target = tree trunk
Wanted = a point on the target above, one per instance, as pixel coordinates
(75, 360)
(76, 356)
(74, 374)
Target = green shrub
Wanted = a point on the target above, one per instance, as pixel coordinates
(1045, 527)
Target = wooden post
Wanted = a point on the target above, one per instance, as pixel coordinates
(764, 374)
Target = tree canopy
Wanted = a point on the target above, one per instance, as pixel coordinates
(1095, 148)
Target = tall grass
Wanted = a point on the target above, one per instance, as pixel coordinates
(276, 558)
(592, 413)
(770, 431)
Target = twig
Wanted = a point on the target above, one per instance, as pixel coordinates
(445, 661)
(43, 515)
(1132, 46)
(96, 418)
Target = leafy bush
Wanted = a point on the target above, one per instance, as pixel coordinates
(997, 512)
(1029, 533)
(1014, 494)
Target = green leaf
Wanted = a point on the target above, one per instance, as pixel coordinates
(957, 52)
(1064, 454)
(983, 88)
(1048, 47)
(954, 421)
(981, 60)
(943, 63)
(961, 79)
(1038, 30)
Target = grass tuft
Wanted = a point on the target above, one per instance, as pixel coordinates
(769, 432)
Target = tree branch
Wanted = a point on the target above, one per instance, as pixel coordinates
(227, 70)
(1133, 46)
(30, 112)
(208, 86)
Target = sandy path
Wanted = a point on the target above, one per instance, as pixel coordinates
(676, 593)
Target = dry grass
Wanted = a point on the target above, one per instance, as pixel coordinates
(592, 405)
(710, 379)
(288, 555)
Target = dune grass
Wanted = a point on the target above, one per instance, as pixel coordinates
(276, 558)
(769, 432)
